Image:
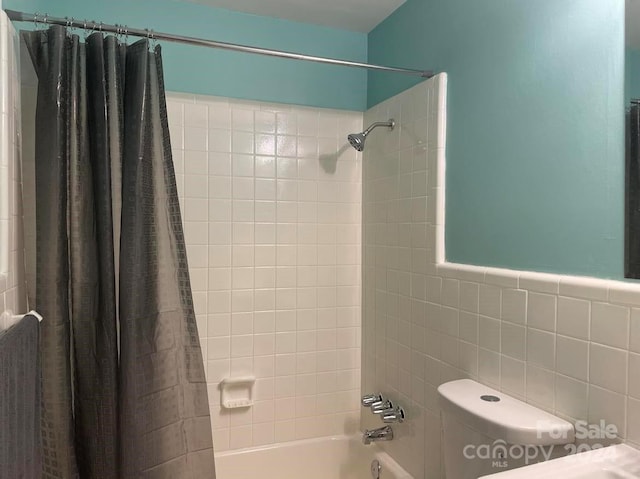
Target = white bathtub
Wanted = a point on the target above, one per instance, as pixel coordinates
(342, 457)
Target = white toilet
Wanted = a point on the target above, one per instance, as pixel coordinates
(486, 431)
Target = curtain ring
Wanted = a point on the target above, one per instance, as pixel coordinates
(86, 29)
(154, 40)
(38, 21)
(94, 28)
(148, 37)
(126, 34)
(120, 33)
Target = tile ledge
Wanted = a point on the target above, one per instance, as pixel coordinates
(624, 293)
(615, 290)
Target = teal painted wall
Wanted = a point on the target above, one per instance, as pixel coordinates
(237, 75)
(535, 146)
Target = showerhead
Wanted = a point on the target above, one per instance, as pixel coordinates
(357, 139)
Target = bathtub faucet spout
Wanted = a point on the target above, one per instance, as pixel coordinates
(381, 434)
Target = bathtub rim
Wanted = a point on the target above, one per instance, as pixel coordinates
(278, 445)
(378, 453)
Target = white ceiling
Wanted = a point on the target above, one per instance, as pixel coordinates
(632, 27)
(356, 15)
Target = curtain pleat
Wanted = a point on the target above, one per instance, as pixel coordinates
(164, 409)
(124, 391)
(49, 52)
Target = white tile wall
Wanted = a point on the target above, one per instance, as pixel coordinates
(12, 290)
(412, 318)
(28, 102)
(566, 344)
(271, 198)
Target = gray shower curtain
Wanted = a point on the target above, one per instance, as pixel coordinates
(632, 193)
(124, 391)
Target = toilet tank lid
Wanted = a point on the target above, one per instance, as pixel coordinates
(501, 416)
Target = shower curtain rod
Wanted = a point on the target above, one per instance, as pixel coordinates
(147, 33)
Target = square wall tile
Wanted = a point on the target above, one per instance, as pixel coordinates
(610, 325)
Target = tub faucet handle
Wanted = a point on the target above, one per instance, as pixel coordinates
(393, 415)
(381, 406)
(369, 399)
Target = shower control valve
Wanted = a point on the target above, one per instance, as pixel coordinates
(381, 406)
(393, 415)
(369, 399)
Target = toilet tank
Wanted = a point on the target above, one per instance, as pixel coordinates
(486, 431)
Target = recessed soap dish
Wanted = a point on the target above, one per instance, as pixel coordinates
(237, 392)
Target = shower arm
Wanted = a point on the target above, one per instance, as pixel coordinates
(389, 124)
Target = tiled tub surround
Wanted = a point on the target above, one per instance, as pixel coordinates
(271, 199)
(570, 345)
